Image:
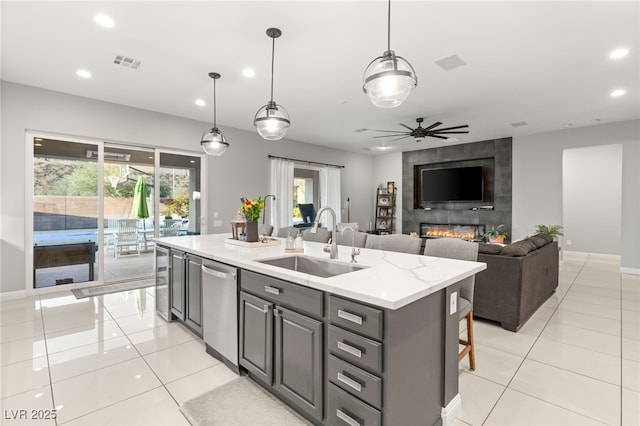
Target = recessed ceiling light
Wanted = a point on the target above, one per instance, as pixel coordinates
(104, 21)
(618, 92)
(619, 53)
(83, 73)
(248, 72)
(200, 102)
(380, 148)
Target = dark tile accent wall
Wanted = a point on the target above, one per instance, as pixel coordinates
(494, 155)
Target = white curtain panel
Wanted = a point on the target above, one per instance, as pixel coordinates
(282, 188)
(330, 194)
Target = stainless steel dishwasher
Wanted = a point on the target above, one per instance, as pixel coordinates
(220, 312)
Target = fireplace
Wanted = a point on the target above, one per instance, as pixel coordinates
(471, 232)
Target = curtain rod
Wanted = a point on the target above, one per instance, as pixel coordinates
(305, 161)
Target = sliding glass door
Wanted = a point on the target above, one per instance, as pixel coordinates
(65, 213)
(97, 207)
(129, 212)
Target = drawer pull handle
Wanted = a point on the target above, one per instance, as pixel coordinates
(349, 317)
(272, 290)
(350, 382)
(347, 418)
(350, 349)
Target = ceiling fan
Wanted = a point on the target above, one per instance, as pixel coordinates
(419, 133)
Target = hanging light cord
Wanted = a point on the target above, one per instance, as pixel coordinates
(214, 103)
(389, 27)
(273, 48)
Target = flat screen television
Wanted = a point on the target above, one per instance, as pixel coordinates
(452, 184)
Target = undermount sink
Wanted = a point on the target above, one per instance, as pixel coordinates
(313, 266)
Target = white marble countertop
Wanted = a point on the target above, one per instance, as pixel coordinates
(392, 280)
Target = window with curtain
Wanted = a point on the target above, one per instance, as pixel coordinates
(330, 193)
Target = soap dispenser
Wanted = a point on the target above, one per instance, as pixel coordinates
(299, 244)
(290, 243)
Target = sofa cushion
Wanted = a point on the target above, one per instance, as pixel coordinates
(520, 248)
(548, 238)
(489, 248)
(538, 241)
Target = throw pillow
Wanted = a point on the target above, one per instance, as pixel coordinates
(521, 248)
(489, 248)
(538, 241)
(548, 238)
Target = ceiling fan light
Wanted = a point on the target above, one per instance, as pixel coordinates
(213, 142)
(419, 138)
(272, 121)
(388, 80)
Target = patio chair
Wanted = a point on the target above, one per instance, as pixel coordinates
(172, 227)
(127, 237)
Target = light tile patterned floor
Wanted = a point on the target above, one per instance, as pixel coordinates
(110, 360)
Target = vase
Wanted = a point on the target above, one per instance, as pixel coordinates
(251, 230)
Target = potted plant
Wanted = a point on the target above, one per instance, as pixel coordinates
(554, 230)
(496, 234)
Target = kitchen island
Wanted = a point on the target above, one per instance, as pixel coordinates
(374, 346)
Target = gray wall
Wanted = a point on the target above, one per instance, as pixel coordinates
(537, 180)
(242, 171)
(592, 198)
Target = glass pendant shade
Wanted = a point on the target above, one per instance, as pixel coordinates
(213, 142)
(272, 121)
(388, 80)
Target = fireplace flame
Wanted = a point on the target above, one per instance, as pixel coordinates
(463, 232)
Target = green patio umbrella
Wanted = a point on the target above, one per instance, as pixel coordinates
(139, 208)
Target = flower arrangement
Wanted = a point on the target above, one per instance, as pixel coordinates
(251, 208)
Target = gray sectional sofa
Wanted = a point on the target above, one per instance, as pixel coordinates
(519, 278)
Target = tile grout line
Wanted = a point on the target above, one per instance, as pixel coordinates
(46, 351)
(144, 359)
(534, 343)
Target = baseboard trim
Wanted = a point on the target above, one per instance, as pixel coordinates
(631, 271)
(11, 295)
(451, 411)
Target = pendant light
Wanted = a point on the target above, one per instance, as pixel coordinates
(213, 141)
(389, 79)
(272, 120)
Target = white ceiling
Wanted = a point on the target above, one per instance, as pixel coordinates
(545, 63)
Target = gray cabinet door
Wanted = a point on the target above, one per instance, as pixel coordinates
(256, 337)
(178, 299)
(194, 292)
(298, 360)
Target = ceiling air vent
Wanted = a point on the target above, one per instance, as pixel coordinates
(127, 62)
(519, 124)
(450, 62)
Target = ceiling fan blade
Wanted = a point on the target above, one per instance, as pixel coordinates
(436, 136)
(404, 137)
(436, 124)
(438, 132)
(453, 128)
(391, 136)
(406, 127)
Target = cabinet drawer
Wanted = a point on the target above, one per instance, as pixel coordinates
(356, 381)
(356, 349)
(354, 316)
(344, 409)
(284, 293)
